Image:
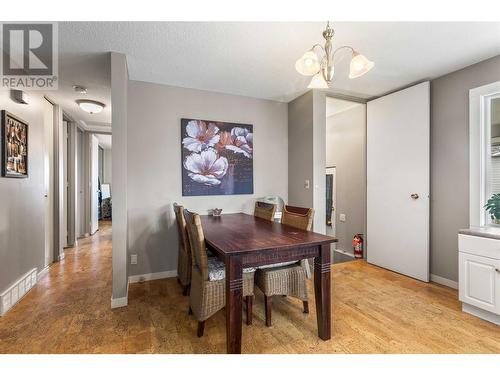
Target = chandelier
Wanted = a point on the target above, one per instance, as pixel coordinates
(320, 66)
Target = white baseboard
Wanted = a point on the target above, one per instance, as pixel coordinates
(123, 301)
(152, 276)
(18, 290)
(343, 252)
(42, 273)
(480, 313)
(119, 302)
(446, 282)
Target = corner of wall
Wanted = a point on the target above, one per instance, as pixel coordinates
(119, 100)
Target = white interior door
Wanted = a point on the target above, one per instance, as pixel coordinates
(48, 180)
(66, 183)
(94, 184)
(80, 184)
(398, 179)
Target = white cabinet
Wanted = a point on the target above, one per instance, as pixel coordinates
(480, 282)
(479, 276)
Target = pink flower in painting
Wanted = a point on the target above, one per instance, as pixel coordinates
(242, 142)
(200, 136)
(206, 167)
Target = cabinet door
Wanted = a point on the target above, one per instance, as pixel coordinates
(480, 281)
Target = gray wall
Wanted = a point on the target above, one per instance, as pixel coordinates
(119, 86)
(450, 160)
(22, 207)
(107, 172)
(154, 163)
(319, 160)
(300, 149)
(306, 154)
(345, 150)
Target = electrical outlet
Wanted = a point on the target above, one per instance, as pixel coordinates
(133, 258)
(342, 218)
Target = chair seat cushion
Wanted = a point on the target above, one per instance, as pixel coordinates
(217, 269)
(274, 265)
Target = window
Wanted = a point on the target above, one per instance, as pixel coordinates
(484, 131)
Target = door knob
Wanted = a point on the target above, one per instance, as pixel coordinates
(414, 196)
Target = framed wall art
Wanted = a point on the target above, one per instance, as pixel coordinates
(14, 146)
(217, 158)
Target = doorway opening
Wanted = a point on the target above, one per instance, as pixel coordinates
(104, 162)
(345, 174)
(331, 224)
(87, 176)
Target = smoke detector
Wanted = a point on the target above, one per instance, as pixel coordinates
(80, 89)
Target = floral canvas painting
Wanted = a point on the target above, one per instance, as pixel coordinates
(217, 158)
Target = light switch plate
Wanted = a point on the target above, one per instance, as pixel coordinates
(133, 258)
(306, 184)
(342, 217)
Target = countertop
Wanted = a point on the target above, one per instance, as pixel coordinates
(488, 232)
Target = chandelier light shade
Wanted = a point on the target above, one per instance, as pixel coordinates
(359, 65)
(308, 64)
(319, 62)
(318, 82)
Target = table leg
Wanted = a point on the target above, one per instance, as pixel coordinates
(234, 300)
(322, 292)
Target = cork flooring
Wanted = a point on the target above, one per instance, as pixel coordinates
(374, 311)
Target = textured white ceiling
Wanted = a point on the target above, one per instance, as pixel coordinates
(257, 59)
(92, 71)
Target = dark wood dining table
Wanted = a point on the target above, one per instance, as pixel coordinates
(242, 241)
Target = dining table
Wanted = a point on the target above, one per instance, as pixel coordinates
(241, 240)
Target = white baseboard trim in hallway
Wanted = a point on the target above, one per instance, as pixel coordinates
(152, 276)
(446, 282)
(18, 290)
(42, 273)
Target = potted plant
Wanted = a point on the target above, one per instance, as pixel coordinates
(493, 208)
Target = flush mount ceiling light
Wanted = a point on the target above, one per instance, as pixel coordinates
(321, 66)
(90, 106)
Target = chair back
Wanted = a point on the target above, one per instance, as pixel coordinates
(264, 210)
(297, 217)
(181, 228)
(197, 242)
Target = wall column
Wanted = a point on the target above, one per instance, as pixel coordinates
(119, 86)
(307, 154)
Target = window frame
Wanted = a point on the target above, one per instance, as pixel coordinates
(480, 150)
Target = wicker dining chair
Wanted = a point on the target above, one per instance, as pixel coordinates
(184, 256)
(208, 284)
(288, 278)
(264, 210)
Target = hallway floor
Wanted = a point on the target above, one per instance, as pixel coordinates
(374, 311)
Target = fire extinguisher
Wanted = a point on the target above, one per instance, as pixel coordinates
(357, 244)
